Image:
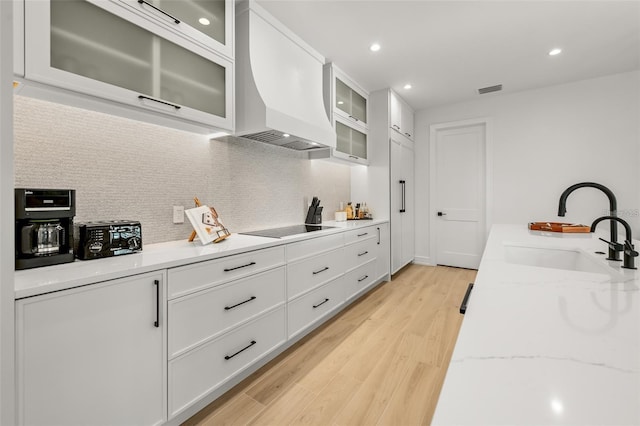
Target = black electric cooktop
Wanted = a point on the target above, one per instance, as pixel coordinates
(286, 231)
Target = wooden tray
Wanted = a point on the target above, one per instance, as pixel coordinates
(559, 227)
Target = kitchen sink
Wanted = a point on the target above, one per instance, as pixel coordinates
(560, 258)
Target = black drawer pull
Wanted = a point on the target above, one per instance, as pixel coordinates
(363, 278)
(226, 308)
(362, 235)
(363, 253)
(156, 323)
(321, 303)
(159, 101)
(228, 357)
(465, 301)
(321, 270)
(238, 267)
(176, 20)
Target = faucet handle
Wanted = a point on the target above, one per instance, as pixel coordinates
(629, 249)
(614, 246)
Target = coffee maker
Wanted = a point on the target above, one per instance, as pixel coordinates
(44, 226)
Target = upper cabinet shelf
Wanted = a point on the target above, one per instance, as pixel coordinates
(130, 52)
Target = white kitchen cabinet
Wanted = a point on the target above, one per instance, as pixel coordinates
(402, 204)
(401, 116)
(383, 251)
(209, 23)
(346, 104)
(360, 256)
(93, 355)
(112, 51)
(315, 305)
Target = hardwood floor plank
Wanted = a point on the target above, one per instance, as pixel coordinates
(381, 361)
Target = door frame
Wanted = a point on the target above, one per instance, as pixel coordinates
(488, 175)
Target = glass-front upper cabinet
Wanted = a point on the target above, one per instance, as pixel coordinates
(208, 22)
(344, 97)
(105, 49)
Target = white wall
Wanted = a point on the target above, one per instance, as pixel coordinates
(124, 169)
(545, 140)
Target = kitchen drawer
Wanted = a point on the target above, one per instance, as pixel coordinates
(190, 278)
(200, 371)
(360, 278)
(307, 274)
(360, 252)
(200, 316)
(313, 246)
(360, 234)
(313, 306)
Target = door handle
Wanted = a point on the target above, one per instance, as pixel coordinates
(403, 186)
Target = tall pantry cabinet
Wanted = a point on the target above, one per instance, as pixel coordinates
(388, 183)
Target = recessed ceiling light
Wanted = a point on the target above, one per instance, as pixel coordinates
(204, 21)
(285, 135)
(407, 86)
(374, 47)
(340, 102)
(554, 52)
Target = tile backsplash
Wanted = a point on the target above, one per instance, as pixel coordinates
(125, 169)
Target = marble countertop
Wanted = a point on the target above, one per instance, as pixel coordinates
(32, 282)
(541, 345)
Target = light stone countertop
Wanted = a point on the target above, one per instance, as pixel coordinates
(153, 257)
(542, 346)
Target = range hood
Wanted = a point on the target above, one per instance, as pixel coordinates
(278, 84)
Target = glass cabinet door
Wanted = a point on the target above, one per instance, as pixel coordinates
(351, 142)
(358, 144)
(89, 41)
(358, 106)
(207, 16)
(350, 102)
(343, 96)
(343, 143)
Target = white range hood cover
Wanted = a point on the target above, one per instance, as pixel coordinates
(278, 84)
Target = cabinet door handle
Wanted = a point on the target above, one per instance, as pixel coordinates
(176, 20)
(354, 157)
(395, 126)
(362, 235)
(321, 303)
(378, 235)
(363, 278)
(226, 308)
(363, 253)
(238, 267)
(321, 270)
(156, 323)
(407, 134)
(351, 116)
(159, 101)
(402, 189)
(228, 357)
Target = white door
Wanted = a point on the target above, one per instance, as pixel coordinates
(459, 193)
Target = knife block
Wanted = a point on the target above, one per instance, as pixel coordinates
(315, 219)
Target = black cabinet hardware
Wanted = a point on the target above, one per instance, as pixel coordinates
(363, 253)
(156, 323)
(403, 184)
(238, 267)
(159, 101)
(176, 20)
(362, 235)
(441, 214)
(378, 228)
(465, 301)
(321, 303)
(353, 156)
(226, 308)
(321, 270)
(228, 357)
(363, 278)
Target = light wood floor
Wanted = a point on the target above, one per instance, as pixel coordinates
(382, 361)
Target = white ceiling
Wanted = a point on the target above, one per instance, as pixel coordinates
(449, 49)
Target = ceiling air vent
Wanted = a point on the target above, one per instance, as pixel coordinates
(490, 89)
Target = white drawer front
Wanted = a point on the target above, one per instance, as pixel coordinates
(360, 278)
(360, 234)
(311, 307)
(200, 316)
(313, 246)
(203, 369)
(310, 273)
(360, 252)
(190, 278)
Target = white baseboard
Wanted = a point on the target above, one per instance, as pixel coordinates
(423, 260)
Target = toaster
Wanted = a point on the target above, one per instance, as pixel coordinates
(95, 240)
